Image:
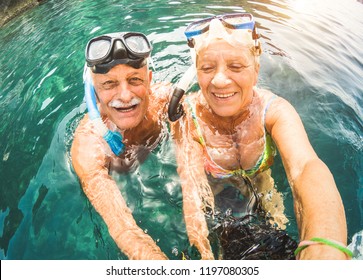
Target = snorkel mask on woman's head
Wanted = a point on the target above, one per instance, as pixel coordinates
(236, 29)
(106, 51)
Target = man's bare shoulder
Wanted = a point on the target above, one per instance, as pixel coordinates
(84, 130)
(162, 91)
(87, 149)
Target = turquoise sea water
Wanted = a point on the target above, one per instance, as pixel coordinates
(312, 56)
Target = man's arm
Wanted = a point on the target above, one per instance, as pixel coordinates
(90, 163)
(318, 206)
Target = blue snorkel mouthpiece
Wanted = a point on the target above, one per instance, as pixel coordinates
(113, 138)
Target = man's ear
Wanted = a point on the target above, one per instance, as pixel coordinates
(150, 75)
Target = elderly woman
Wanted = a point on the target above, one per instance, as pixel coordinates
(228, 136)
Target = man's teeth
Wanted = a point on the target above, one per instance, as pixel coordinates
(224, 95)
(124, 107)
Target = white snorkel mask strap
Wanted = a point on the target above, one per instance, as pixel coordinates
(113, 138)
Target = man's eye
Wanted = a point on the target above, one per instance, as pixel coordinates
(109, 85)
(135, 81)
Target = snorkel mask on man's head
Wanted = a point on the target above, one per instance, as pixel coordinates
(102, 54)
(237, 29)
(106, 51)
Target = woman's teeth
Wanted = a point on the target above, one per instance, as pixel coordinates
(224, 95)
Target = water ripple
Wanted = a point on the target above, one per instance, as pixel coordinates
(312, 56)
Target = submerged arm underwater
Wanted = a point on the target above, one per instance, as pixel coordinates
(90, 163)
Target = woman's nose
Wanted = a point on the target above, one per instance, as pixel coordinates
(221, 79)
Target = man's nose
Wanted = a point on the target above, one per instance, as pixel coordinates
(220, 79)
(123, 92)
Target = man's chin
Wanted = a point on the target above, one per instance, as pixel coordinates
(128, 123)
(127, 120)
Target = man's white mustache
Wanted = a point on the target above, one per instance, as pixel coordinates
(120, 104)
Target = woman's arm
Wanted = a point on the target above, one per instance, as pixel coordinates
(193, 182)
(318, 206)
(90, 163)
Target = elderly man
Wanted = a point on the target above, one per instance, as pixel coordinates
(120, 130)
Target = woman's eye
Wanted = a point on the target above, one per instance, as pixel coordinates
(206, 68)
(236, 67)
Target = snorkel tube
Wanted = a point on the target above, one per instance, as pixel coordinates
(175, 109)
(113, 138)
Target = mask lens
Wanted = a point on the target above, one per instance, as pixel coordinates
(137, 44)
(199, 25)
(98, 49)
(239, 21)
(197, 28)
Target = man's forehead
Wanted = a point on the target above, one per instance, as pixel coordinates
(121, 70)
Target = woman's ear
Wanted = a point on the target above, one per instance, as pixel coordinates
(257, 70)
